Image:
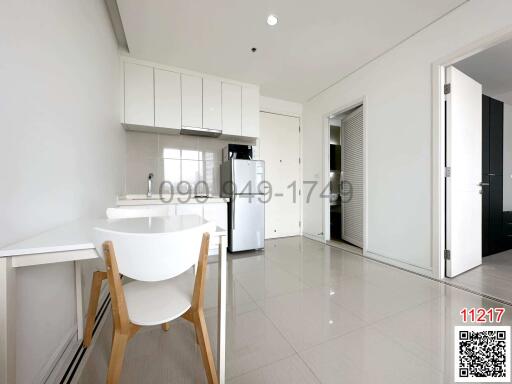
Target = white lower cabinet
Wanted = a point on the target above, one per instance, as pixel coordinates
(215, 212)
(218, 213)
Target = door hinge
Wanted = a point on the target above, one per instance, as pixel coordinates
(447, 171)
(447, 254)
(300, 223)
(299, 160)
(447, 88)
(299, 128)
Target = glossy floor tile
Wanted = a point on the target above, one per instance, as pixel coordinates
(304, 312)
(493, 277)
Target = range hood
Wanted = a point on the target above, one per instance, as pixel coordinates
(200, 131)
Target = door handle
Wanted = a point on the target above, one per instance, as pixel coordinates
(483, 184)
(233, 212)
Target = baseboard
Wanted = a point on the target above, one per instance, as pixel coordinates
(310, 236)
(398, 264)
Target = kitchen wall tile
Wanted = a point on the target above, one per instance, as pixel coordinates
(141, 145)
(168, 144)
(180, 160)
(137, 171)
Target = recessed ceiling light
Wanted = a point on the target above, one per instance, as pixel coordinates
(272, 20)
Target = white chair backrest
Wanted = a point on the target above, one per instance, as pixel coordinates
(138, 211)
(154, 256)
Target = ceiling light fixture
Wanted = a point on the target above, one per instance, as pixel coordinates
(272, 20)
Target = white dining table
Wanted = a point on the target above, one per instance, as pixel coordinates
(73, 243)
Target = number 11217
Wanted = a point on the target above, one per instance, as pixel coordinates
(482, 315)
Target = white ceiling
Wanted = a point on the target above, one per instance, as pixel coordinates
(316, 42)
(493, 69)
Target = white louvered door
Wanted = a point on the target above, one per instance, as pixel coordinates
(352, 165)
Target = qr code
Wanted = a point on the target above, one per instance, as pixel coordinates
(482, 354)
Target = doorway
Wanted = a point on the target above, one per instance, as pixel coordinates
(346, 177)
(478, 172)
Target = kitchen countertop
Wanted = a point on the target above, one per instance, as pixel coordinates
(77, 235)
(176, 199)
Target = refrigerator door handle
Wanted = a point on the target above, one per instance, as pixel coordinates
(233, 182)
(233, 212)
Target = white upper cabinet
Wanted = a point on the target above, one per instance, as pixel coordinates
(212, 103)
(167, 99)
(231, 109)
(250, 111)
(139, 102)
(191, 101)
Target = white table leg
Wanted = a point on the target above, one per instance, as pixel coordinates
(221, 334)
(7, 321)
(79, 303)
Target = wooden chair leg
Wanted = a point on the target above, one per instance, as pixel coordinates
(116, 357)
(204, 345)
(166, 326)
(94, 298)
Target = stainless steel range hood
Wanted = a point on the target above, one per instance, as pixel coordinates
(200, 131)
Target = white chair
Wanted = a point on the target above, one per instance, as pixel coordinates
(164, 288)
(98, 276)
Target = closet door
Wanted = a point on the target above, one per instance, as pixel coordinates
(352, 165)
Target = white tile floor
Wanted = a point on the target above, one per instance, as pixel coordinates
(304, 312)
(493, 277)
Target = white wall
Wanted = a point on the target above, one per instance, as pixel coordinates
(280, 106)
(398, 92)
(507, 157)
(61, 149)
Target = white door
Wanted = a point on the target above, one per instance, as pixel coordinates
(464, 157)
(139, 102)
(191, 101)
(280, 149)
(250, 111)
(212, 118)
(231, 109)
(167, 99)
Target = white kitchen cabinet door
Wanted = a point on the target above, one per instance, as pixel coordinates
(250, 111)
(167, 99)
(218, 213)
(231, 109)
(189, 209)
(212, 102)
(139, 102)
(191, 101)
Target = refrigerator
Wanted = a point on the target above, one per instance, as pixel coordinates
(242, 182)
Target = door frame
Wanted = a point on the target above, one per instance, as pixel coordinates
(438, 141)
(299, 196)
(326, 168)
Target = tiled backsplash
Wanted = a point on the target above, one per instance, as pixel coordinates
(182, 161)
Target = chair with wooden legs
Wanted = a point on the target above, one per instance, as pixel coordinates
(100, 275)
(164, 287)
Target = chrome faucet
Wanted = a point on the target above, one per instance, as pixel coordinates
(150, 182)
